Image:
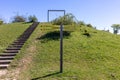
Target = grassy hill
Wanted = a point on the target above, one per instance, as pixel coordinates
(10, 32)
(89, 54)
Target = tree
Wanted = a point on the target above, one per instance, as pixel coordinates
(32, 18)
(1, 21)
(89, 25)
(19, 18)
(66, 19)
(115, 27)
(81, 23)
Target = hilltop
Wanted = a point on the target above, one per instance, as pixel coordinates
(89, 54)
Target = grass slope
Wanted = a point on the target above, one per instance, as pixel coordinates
(10, 32)
(89, 54)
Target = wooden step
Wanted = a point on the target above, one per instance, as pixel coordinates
(13, 48)
(5, 61)
(4, 66)
(17, 41)
(24, 37)
(8, 54)
(6, 57)
(17, 44)
(10, 51)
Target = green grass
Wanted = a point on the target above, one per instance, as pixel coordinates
(93, 57)
(10, 32)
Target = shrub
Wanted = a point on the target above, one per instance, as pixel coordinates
(1, 22)
(116, 28)
(66, 20)
(19, 18)
(32, 18)
(81, 23)
(89, 25)
(86, 33)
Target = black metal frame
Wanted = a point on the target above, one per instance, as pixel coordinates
(61, 38)
(61, 48)
(54, 11)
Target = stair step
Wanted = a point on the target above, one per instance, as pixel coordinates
(11, 51)
(22, 39)
(13, 48)
(8, 54)
(5, 61)
(3, 66)
(6, 57)
(19, 41)
(17, 44)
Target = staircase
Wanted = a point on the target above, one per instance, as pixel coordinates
(13, 49)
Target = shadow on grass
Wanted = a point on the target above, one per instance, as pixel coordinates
(55, 35)
(26, 22)
(46, 76)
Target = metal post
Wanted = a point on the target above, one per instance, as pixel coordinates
(64, 13)
(61, 48)
(48, 15)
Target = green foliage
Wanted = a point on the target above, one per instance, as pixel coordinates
(86, 33)
(1, 22)
(115, 27)
(66, 20)
(89, 25)
(19, 18)
(32, 18)
(81, 23)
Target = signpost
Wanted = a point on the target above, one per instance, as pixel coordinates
(61, 38)
(61, 48)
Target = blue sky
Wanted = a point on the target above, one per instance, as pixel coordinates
(100, 13)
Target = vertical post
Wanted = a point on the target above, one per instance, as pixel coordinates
(64, 15)
(48, 15)
(61, 48)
